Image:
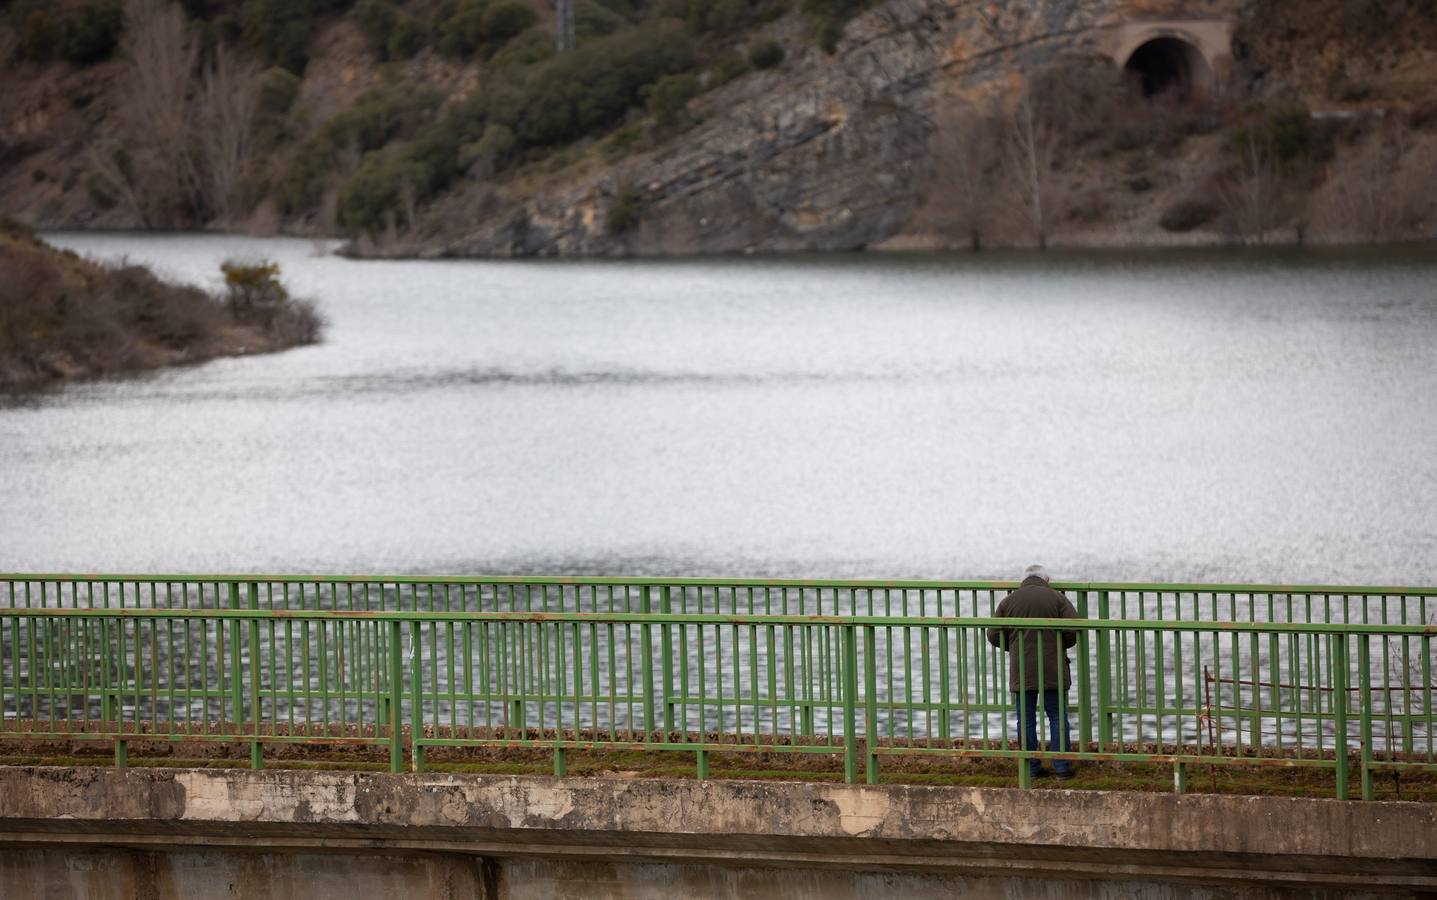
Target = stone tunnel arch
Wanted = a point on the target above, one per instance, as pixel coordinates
(1168, 66)
(1194, 55)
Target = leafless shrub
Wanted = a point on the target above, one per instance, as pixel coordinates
(154, 166)
(226, 104)
(61, 315)
(9, 43)
(1061, 110)
(966, 152)
(1418, 187)
(1252, 192)
(1380, 188)
(1187, 214)
(183, 142)
(1031, 144)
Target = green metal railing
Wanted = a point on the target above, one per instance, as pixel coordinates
(1328, 677)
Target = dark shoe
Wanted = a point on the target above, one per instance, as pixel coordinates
(1066, 774)
(1042, 773)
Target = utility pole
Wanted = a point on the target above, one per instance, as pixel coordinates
(563, 25)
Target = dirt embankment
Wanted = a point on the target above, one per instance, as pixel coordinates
(64, 317)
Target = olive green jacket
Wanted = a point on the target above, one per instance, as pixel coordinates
(1044, 649)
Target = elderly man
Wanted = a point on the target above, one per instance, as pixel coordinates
(1038, 665)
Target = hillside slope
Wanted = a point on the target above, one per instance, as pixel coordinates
(451, 127)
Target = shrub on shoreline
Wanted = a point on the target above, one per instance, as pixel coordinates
(63, 316)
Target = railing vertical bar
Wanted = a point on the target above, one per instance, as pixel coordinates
(1364, 675)
(870, 698)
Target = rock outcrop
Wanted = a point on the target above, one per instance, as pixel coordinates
(827, 153)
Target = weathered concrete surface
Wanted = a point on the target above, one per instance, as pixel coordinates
(194, 832)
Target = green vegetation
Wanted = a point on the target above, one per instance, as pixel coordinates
(624, 210)
(483, 26)
(765, 54)
(728, 66)
(255, 296)
(591, 88)
(39, 36)
(1286, 129)
(1185, 215)
(82, 34)
(62, 316)
(513, 117)
(281, 29)
(668, 98)
(830, 17)
(92, 32)
(371, 166)
(386, 112)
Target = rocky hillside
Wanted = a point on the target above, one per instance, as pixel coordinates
(451, 127)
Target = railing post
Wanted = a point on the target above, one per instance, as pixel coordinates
(122, 754)
(646, 665)
(1021, 703)
(236, 678)
(945, 728)
(667, 648)
(1339, 699)
(1105, 719)
(850, 701)
(256, 748)
(870, 703)
(1364, 674)
(396, 695)
(1085, 680)
(416, 697)
(107, 664)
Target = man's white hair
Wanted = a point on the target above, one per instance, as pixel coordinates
(1035, 569)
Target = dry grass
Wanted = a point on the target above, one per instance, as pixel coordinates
(63, 316)
(1233, 778)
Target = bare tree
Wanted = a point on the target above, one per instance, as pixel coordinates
(111, 168)
(1375, 187)
(1417, 185)
(225, 107)
(183, 142)
(9, 43)
(1252, 193)
(1030, 151)
(160, 57)
(966, 145)
(326, 222)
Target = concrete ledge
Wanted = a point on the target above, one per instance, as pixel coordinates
(976, 831)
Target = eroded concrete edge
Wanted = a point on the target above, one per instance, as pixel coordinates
(715, 813)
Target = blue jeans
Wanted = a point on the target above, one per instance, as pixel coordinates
(1057, 726)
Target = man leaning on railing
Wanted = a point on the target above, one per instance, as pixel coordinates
(1038, 663)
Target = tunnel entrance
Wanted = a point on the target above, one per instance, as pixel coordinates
(1167, 66)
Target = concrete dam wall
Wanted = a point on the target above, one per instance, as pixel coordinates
(178, 833)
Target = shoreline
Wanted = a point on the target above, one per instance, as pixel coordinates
(68, 317)
(897, 246)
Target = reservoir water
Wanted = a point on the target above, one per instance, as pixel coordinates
(1195, 416)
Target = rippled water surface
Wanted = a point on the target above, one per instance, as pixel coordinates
(1194, 416)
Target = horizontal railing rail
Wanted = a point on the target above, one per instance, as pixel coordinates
(865, 671)
(660, 581)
